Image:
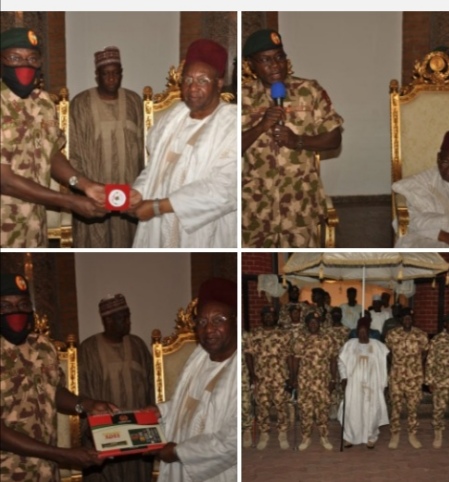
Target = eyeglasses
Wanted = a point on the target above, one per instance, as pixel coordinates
(33, 60)
(264, 60)
(215, 321)
(22, 305)
(201, 81)
(443, 161)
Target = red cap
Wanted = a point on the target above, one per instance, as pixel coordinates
(220, 290)
(209, 52)
(445, 145)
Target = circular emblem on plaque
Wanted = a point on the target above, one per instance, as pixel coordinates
(32, 38)
(21, 283)
(117, 198)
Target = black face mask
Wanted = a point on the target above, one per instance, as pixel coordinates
(21, 80)
(15, 327)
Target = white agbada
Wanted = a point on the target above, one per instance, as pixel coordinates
(427, 196)
(193, 163)
(202, 419)
(365, 367)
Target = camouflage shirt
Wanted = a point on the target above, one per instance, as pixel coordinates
(340, 334)
(269, 348)
(437, 366)
(407, 349)
(315, 353)
(30, 375)
(282, 193)
(29, 139)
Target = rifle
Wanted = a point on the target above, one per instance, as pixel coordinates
(254, 416)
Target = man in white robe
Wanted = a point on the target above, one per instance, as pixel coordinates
(200, 421)
(362, 364)
(189, 187)
(427, 195)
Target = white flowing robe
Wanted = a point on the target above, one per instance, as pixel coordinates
(427, 197)
(202, 419)
(198, 175)
(365, 367)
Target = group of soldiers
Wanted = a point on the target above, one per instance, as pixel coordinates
(290, 362)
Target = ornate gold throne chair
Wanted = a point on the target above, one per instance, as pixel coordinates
(328, 227)
(59, 222)
(171, 352)
(418, 120)
(68, 425)
(155, 104)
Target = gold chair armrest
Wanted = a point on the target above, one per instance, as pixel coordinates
(400, 213)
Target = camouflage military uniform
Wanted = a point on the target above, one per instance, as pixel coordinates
(406, 375)
(314, 375)
(30, 374)
(30, 137)
(269, 349)
(437, 374)
(325, 313)
(284, 314)
(282, 194)
(247, 418)
(340, 334)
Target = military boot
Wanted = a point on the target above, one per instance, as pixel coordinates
(438, 440)
(247, 439)
(283, 442)
(414, 442)
(305, 444)
(394, 441)
(326, 444)
(263, 441)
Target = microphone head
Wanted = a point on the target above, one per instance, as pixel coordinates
(278, 90)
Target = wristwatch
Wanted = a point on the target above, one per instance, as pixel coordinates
(156, 207)
(73, 181)
(79, 409)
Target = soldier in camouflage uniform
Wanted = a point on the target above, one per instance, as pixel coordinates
(293, 308)
(283, 199)
(408, 346)
(30, 149)
(314, 371)
(266, 357)
(437, 378)
(247, 418)
(31, 391)
(340, 334)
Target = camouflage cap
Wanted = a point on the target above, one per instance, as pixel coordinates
(313, 315)
(19, 38)
(261, 40)
(13, 284)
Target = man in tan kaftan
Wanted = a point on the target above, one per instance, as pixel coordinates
(106, 141)
(119, 364)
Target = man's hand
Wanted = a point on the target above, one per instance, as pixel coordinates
(343, 383)
(135, 198)
(273, 116)
(443, 236)
(168, 453)
(96, 192)
(86, 207)
(144, 211)
(285, 137)
(99, 406)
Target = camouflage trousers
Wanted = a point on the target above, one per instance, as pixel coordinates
(440, 400)
(247, 417)
(412, 394)
(314, 406)
(268, 395)
(293, 237)
(336, 395)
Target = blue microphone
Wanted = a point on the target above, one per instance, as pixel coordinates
(278, 93)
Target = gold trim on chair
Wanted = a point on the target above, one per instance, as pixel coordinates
(183, 333)
(430, 76)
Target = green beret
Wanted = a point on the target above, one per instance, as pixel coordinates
(13, 284)
(262, 40)
(19, 38)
